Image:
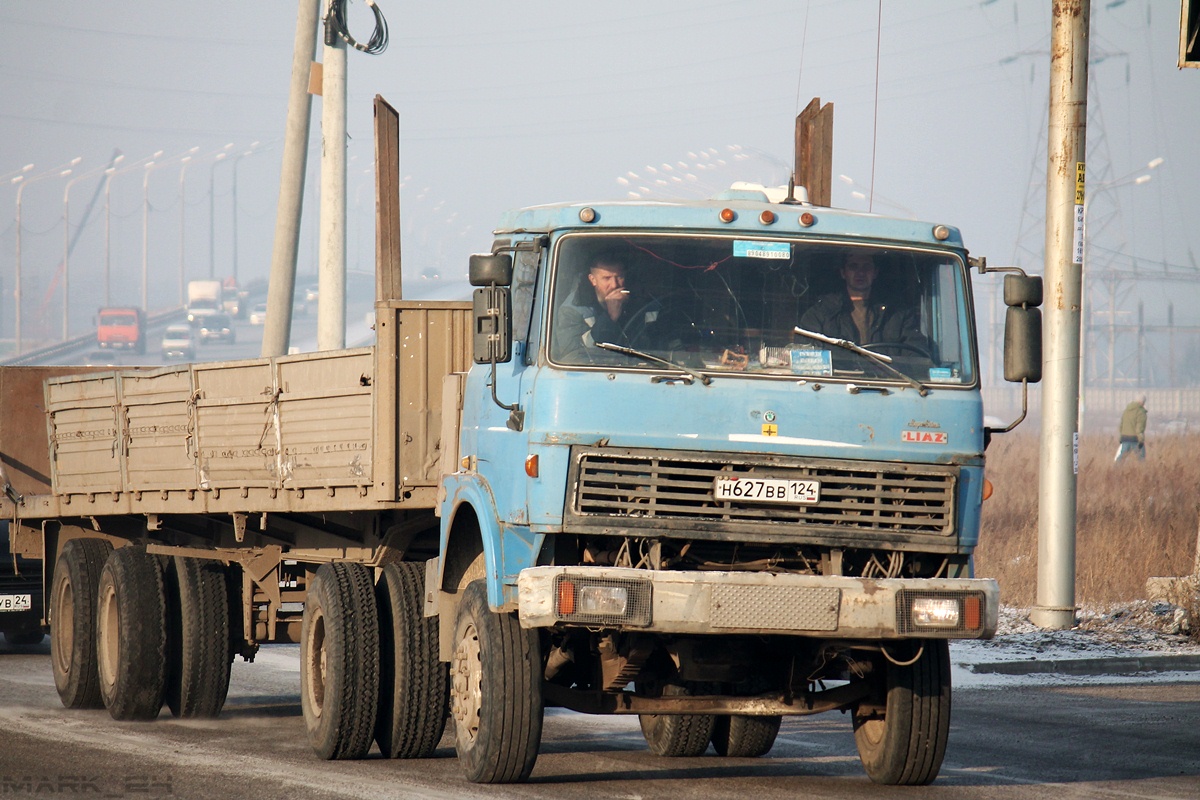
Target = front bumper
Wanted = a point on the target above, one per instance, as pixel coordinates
(662, 601)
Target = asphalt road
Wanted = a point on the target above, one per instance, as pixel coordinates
(1085, 741)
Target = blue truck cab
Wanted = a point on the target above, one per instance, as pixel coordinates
(718, 462)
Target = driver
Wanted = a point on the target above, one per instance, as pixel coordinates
(599, 311)
(852, 314)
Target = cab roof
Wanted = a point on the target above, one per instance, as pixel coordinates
(755, 211)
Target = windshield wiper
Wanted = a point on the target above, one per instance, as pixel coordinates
(878, 358)
(629, 351)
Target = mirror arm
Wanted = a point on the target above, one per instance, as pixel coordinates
(1024, 411)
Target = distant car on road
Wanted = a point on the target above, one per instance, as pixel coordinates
(216, 327)
(258, 314)
(179, 342)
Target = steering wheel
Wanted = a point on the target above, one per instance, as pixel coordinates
(921, 351)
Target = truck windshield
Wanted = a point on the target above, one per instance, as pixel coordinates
(732, 305)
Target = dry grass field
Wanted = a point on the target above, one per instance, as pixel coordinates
(1134, 520)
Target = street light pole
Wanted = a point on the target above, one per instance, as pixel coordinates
(1084, 301)
(236, 160)
(212, 225)
(150, 166)
(182, 216)
(66, 304)
(59, 172)
(110, 173)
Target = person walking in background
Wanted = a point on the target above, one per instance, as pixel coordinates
(1133, 430)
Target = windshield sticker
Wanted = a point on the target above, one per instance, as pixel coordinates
(745, 249)
(925, 437)
(947, 374)
(812, 362)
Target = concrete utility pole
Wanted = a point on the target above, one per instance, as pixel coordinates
(282, 285)
(331, 274)
(1063, 278)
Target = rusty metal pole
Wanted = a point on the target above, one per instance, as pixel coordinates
(1064, 279)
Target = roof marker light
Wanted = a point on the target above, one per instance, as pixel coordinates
(587, 214)
(767, 217)
(807, 219)
(941, 233)
(728, 215)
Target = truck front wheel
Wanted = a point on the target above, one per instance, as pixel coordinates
(73, 616)
(131, 635)
(199, 656)
(901, 732)
(496, 691)
(412, 681)
(339, 661)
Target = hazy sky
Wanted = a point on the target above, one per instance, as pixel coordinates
(505, 104)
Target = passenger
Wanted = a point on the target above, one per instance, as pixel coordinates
(853, 314)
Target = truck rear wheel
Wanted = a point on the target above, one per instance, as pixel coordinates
(73, 596)
(742, 736)
(131, 635)
(199, 657)
(901, 736)
(677, 735)
(339, 661)
(412, 681)
(496, 691)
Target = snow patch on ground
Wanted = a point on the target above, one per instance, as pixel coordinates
(1137, 629)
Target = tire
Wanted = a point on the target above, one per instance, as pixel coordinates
(24, 638)
(741, 736)
(413, 683)
(339, 661)
(677, 735)
(73, 595)
(904, 745)
(131, 634)
(198, 652)
(496, 691)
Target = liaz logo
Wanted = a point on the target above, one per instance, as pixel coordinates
(924, 437)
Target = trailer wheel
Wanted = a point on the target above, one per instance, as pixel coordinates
(496, 691)
(198, 651)
(339, 661)
(73, 595)
(743, 736)
(677, 735)
(131, 635)
(901, 735)
(412, 681)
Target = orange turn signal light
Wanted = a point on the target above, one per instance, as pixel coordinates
(987, 488)
(972, 619)
(728, 215)
(566, 598)
(531, 466)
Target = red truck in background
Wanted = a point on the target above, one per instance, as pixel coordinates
(121, 328)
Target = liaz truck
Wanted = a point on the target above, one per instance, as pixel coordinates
(711, 510)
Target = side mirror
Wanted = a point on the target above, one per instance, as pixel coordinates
(491, 270)
(492, 337)
(1023, 328)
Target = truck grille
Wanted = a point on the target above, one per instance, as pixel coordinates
(650, 488)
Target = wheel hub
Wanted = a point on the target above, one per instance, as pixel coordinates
(466, 673)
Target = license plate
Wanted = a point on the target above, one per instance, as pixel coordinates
(767, 490)
(16, 602)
